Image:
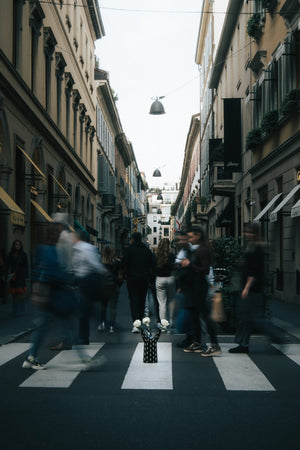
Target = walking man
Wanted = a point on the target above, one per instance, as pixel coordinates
(138, 266)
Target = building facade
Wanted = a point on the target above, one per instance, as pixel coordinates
(47, 115)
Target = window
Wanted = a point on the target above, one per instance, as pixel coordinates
(82, 111)
(154, 229)
(17, 33)
(76, 100)
(166, 231)
(154, 241)
(35, 21)
(68, 93)
(60, 65)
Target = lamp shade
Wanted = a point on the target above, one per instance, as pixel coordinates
(157, 108)
(156, 173)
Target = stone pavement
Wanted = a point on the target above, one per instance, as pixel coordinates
(285, 315)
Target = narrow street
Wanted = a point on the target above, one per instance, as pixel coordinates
(227, 402)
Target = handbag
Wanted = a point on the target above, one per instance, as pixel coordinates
(217, 310)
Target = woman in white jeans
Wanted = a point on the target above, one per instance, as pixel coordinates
(165, 281)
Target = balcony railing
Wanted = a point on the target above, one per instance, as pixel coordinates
(222, 180)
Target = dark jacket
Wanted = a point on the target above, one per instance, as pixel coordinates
(193, 283)
(254, 266)
(138, 262)
(18, 265)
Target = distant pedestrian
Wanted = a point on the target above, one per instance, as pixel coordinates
(111, 289)
(165, 281)
(138, 266)
(252, 298)
(17, 265)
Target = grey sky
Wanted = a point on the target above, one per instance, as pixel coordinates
(152, 54)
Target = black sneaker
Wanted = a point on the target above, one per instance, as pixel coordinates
(239, 349)
(214, 350)
(195, 347)
(32, 363)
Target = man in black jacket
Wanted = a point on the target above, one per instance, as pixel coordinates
(138, 266)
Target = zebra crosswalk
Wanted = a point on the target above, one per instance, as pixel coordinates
(238, 372)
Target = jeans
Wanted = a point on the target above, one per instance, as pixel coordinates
(252, 316)
(137, 291)
(165, 291)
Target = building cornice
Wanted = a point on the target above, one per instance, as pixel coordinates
(284, 151)
(232, 15)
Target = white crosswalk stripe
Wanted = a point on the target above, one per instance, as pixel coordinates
(62, 369)
(11, 351)
(150, 376)
(292, 351)
(239, 373)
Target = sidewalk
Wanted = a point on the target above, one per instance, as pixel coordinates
(284, 315)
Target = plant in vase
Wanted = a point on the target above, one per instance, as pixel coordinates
(150, 341)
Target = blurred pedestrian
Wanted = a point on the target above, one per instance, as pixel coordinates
(165, 281)
(17, 265)
(195, 287)
(252, 298)
(138, 266)
(51, 293)
(111, 289)
(89, 273)
(64, 253)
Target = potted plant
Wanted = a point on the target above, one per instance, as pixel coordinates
(253, 139)
(291, 103)
(269, 122)
(254, 26)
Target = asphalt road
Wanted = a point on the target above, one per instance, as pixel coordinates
(183, 401)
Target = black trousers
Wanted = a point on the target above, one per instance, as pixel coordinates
(137, 291)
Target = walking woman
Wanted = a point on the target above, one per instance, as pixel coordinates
(165, 280)
(17, 264)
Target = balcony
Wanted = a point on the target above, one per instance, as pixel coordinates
(222, 180)
(108, 201)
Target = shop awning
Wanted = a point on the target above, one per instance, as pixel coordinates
(17, 216)
(66, 193)
(92, 230)
(296, 210)
(41, 211)
(79, 227)
(273, 215)
(266, 208)
(33, 164)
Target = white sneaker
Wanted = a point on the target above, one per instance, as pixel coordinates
(111, 329)
(101, 327)
(32, 363)
(135, 330)
(94, 363)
